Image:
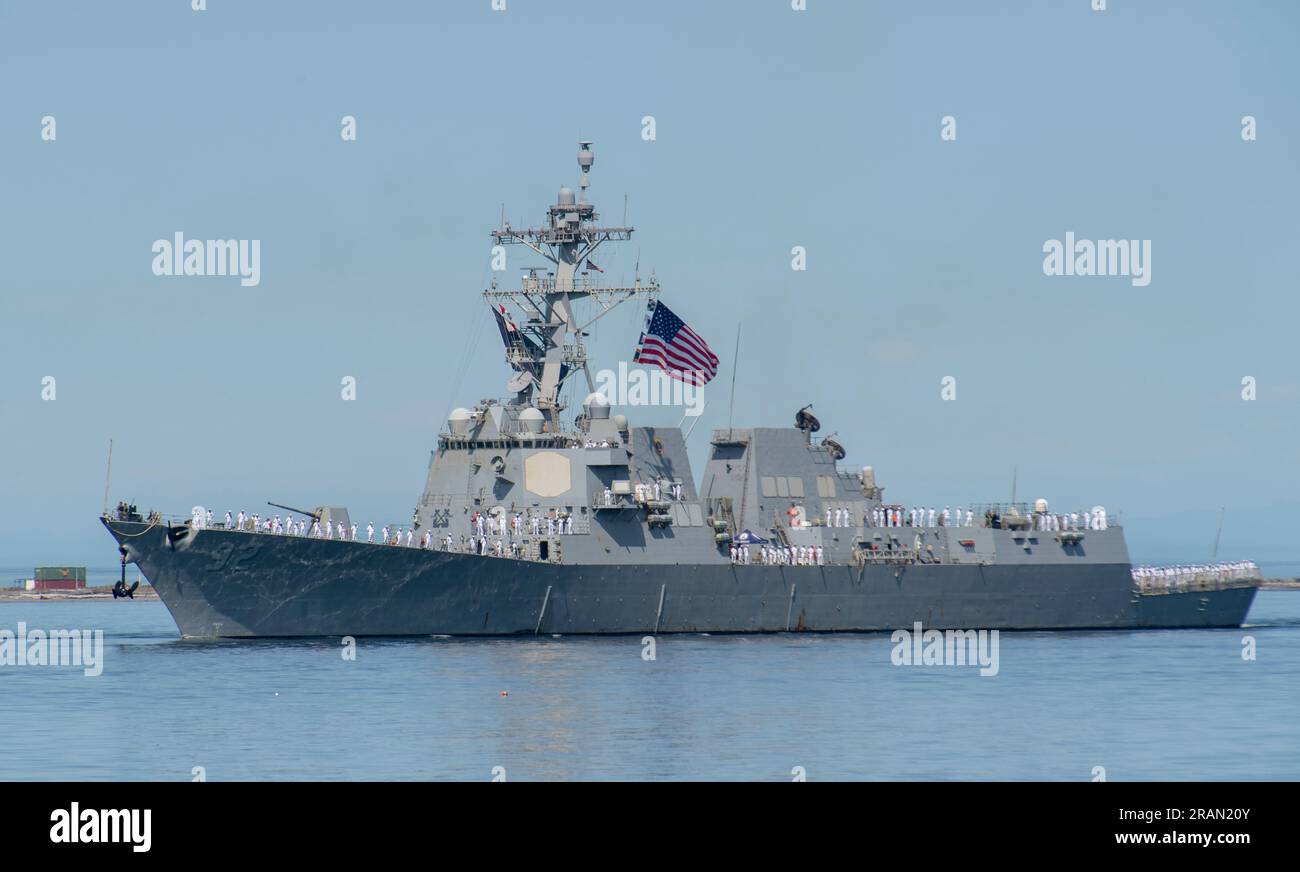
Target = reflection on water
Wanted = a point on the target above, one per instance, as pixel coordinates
(1144, 704)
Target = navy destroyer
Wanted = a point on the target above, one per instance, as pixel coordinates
(534, 521)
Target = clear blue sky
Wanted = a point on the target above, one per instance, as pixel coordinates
(775, 128)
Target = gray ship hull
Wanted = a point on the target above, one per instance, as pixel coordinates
(222, 583)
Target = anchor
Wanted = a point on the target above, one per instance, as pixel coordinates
(120, 590)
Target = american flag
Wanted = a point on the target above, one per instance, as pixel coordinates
(675, 348)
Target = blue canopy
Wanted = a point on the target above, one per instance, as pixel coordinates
(745, 537)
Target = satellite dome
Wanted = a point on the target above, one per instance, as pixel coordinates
(596, 405)
(1040, 505)
(620, 421)
(458, 421)
(532, 420)
(566, 196)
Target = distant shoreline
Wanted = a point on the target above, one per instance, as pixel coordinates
(15, 594)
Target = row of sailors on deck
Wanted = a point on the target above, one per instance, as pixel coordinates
(1172, 575)
(779, 555)
(481, 546)
(895, 516)
(291, 526)
(602, 443)
(652, 491)
(485, 523)
(1085, 520)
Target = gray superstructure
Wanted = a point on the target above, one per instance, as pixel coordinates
(533, 523)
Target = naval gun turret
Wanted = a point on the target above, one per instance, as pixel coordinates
(315, 515)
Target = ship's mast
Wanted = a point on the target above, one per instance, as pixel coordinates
(545, 345)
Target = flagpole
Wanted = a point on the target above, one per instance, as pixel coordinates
(735, 360)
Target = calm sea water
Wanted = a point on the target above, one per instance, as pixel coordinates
(1144, 705)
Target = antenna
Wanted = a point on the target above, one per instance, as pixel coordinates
(108, 476)
(585, 160)
(1013, 485)
(734, 362)
(1214, 555)
(687, 435)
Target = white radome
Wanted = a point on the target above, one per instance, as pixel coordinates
(532, 419)
(458, 421)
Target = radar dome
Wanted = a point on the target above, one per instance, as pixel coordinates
(458, 421)
(596, 406)
(620, 421)
(532, 420)
(566, 196)
(1040, 505)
